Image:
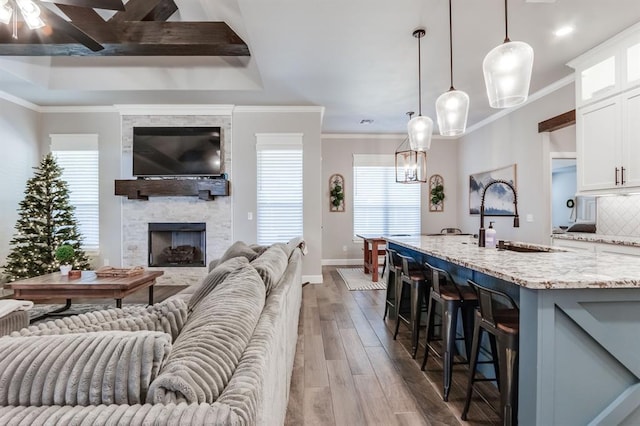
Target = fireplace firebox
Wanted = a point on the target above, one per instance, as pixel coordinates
(177, 244)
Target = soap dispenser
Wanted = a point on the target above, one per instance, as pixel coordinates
(490, 236)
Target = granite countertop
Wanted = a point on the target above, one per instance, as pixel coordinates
(598, 238)
(559, 268)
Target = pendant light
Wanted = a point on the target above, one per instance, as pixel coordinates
(411, 165)
(420, 128)
(452, 107)
(507, 71)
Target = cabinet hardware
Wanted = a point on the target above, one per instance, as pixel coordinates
(622, 176)
(616, 176)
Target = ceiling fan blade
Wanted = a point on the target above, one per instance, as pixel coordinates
(94, 4)
(58, 23)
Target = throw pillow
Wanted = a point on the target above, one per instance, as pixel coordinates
(239, 248)
(271, 265)
(205, 356)
(214, 278)
(108, 367)
(167, 316)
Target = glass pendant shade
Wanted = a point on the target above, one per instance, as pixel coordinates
(411, 165)
(420, 130)
(31, 14)
(507, 74)
(452, 108)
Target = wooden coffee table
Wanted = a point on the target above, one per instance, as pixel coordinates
(56, 286)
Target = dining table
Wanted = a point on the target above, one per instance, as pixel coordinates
(374, 245)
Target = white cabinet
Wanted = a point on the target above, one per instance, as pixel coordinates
(608, 115)
(609, 68)
(599, 145)
(608, 144)
(575, 245)
(593, 247)
(630, 174)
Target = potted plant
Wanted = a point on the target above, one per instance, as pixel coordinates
(437, 194)
(64, 254)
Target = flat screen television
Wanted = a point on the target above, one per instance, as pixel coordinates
(176, 151)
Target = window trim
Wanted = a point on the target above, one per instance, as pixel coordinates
(79, 142)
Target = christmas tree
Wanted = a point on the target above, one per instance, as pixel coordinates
(46, 221)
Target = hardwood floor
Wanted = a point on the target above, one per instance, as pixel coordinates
(348, 370)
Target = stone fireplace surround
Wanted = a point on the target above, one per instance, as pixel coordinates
(137, 214)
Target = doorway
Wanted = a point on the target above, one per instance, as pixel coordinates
(563, 193)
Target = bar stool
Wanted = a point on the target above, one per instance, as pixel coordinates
(452, 299)
(414, 281)
(499, 316)
(393, 276)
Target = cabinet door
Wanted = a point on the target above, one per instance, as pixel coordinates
(618, 249)
(598, 134)
(631, 137)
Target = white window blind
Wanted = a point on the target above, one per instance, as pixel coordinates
(78, 156)
(279, 161)
(380, 205)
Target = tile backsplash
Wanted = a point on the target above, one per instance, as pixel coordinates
(619, 215)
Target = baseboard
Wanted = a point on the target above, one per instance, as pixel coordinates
(313, 279)
(342, 262)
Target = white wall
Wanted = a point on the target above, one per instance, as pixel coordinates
(20, 146)
(246, 123)
(108, 128)
(337, 157)
(514, 139)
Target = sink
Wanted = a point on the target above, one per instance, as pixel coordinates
(528, 248)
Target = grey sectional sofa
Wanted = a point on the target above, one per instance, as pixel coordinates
(218, 353)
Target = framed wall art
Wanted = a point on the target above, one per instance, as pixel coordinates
(499, 198)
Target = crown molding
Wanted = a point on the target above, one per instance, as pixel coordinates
(280, 108)
(177, 109)
(77, 109)
(19, 101)
(394, 136)
(532, 98)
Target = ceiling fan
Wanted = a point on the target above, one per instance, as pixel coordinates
(139, 28)
(36, 17)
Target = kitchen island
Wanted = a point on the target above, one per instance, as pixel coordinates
(579, 324)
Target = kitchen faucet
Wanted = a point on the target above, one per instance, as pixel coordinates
(516, 218)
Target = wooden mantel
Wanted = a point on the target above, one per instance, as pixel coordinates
(142, 189)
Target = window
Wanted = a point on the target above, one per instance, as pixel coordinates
(279, 161)
(77, 155)
(380, 205)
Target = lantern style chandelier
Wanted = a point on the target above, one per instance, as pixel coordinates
(420, 128)
(507, 71)
(411, 165)
(452, 107)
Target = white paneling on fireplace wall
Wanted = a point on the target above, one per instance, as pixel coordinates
(618, 215)
(137, 214)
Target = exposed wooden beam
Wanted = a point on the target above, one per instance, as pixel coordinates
(147, 38)
(98, 4)
(146, 10)
(90, 22)
(56, 22)
(558, 122)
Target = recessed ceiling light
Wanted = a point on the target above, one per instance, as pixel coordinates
(563, 31)
(366, 121)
